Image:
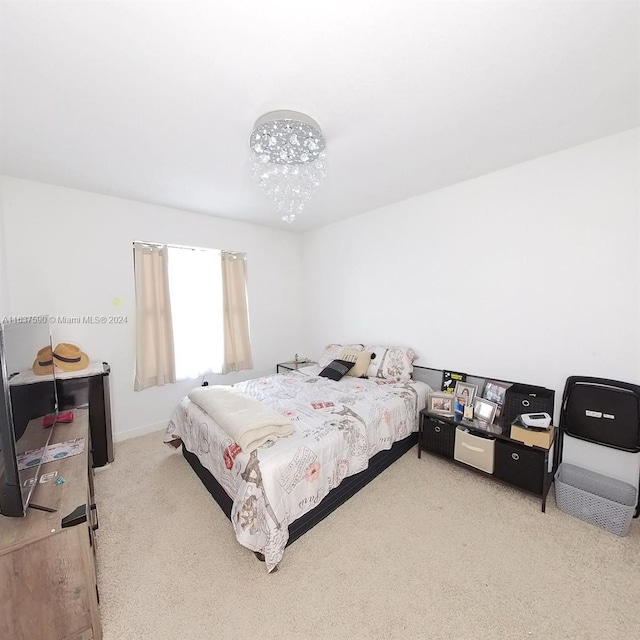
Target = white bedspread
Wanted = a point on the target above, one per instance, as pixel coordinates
(248, 421)
(338, 427)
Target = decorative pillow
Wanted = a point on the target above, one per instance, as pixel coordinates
(361, 360)
(332, 352)
(378, 354)
(336, 369)
(391, 363)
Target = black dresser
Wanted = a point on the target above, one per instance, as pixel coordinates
(88, 387)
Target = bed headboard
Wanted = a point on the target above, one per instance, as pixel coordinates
(433, 377)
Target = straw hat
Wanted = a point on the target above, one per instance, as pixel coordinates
(43, 364)
(69, 357)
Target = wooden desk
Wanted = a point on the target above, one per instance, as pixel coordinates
(47, 570)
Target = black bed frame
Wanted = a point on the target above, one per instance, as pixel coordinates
(337, 496)
(340, 494)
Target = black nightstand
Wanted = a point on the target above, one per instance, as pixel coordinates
(293, 366)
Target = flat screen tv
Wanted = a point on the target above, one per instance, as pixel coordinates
(25, 398)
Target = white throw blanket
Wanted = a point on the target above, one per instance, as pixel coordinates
(250, 423)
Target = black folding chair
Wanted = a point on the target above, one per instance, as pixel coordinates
(605, 412)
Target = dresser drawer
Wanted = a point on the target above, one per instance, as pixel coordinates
(474, 450)
(438, 436)
(520, 465)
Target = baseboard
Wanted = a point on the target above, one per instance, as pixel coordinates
(139, 431)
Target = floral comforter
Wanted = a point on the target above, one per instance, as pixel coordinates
(338, 427)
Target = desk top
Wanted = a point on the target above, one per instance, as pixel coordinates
(65, 497)
(479, 427)
(93, 369)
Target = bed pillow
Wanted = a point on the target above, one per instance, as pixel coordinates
(361, 360)
(332, 352)
(336, 369)
(378, 354)
(391, 363)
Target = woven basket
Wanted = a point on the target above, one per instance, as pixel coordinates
(606, 502)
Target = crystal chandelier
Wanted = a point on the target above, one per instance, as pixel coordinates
(288, 159)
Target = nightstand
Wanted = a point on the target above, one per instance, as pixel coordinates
(293, 366)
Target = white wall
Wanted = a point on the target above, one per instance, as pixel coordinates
(528, 274)
(69, 253)
(4, 286)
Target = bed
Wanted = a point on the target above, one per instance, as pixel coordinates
(345, 433)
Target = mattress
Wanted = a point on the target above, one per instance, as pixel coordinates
(338, 427)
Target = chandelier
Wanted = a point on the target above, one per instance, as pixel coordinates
(288, 159)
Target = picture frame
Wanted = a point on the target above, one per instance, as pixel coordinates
(441, 403)
(466, 389)
(459, 405)
(496, 392)
(484, 410)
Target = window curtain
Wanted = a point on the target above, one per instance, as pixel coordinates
(237, 342)
(155, 362)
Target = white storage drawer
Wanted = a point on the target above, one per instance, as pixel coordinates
(473, 450)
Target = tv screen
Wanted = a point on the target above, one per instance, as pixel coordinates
(27, 394)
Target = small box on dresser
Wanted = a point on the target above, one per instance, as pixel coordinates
(438, 436)
(519, 465)
(533, 438)
(474, 450)
(526, 398)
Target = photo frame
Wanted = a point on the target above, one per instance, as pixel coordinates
(441, 403)
(496, 392)
(459, 405)
(470, 391)
(484, 410)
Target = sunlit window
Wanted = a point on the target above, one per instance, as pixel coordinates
(195, 284)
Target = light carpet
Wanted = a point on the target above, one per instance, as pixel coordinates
(427, 550)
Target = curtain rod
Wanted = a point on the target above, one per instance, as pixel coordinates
(182, 246)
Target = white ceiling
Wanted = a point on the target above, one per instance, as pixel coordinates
(154, 101)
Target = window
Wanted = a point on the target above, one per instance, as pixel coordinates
(191, 313)
(195, 288)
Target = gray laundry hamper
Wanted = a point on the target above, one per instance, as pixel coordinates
(595, 498)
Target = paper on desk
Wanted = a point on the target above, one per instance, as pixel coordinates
(55, 451)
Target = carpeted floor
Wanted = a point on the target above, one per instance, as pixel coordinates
(427, 550)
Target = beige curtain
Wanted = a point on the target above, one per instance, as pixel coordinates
(155, 363)
(237, 342)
